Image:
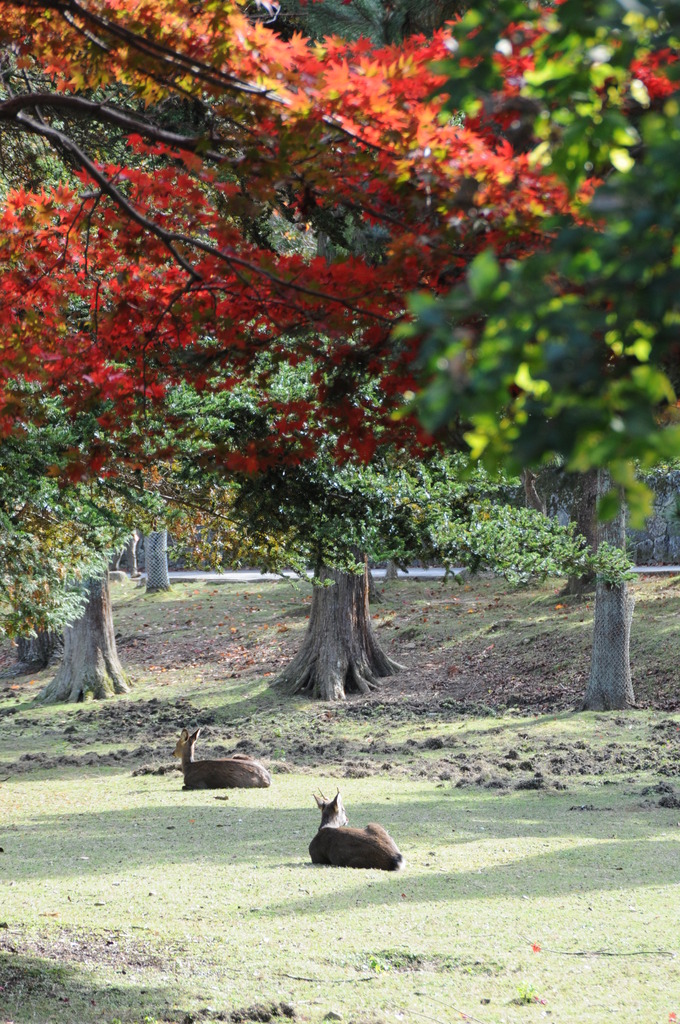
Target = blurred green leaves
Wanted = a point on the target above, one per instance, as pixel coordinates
(571, 351)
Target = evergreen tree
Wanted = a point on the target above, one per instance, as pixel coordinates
(383, 21)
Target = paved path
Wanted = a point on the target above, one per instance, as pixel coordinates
(656, 568)
(250, 576)
(253, 576)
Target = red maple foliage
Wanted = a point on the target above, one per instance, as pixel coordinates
(139, 272)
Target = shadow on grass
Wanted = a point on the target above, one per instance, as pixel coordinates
(243, 703)
(199, 835)
(37, 988)
(587, 870)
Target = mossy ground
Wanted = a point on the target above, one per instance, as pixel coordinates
(542, 844)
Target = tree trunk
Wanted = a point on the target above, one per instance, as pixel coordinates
(340, 653)
(391, 572)
(610, 686)
(34, 653)
(90, 667)
(130, 554)
(584, 514)
(156, 551)
(531, 495)
(374, 595)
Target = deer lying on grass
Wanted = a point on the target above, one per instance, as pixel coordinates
(237, 772)
(370, 847)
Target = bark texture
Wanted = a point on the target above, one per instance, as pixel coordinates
(129, 558)
(156, 552)
(531, 495)
(391, 572)
(374, 595)
(35, 653)
(584, 514)
(90, 667)
(340, 653)
(610, 686)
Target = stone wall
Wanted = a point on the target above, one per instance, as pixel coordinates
(658, 543)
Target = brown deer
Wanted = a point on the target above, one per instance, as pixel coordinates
(238, 772)
(370, 847)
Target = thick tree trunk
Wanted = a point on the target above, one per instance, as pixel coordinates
(584, 514)
(156, 551)
(34, 653)
(340, 653)
(90, 667)
(610, 686)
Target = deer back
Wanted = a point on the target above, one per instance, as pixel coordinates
(370, 847)
(335, 843)
(226, 773)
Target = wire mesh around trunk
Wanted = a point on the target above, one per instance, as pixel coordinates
(156, 545)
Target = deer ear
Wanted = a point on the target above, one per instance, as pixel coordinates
(320, 802)
(184, 736)
(196, 735)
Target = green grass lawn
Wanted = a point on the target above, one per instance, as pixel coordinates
(542, 868)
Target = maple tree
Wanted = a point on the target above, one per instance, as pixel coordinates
(353, 141)
(170, 290)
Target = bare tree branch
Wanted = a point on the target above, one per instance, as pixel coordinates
(10, 108)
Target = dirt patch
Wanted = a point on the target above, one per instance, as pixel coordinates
(274, 1011)
(256, 1012)
(157, 769)
(131, 718)
(536, 764)
(669, 798)
(589, 807)
(92, 759)
(73, 948)
(512, 649)
(196, 645)
(402, 960)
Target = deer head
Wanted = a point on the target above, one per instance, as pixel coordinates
(332, 811)
(185, 742)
